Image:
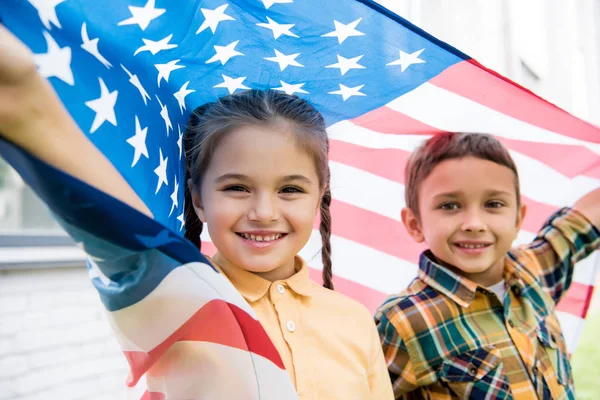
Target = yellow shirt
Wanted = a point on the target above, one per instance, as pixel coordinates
(328, 342)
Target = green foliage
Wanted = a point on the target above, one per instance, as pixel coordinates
(586, 360)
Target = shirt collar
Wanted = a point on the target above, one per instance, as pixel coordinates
(252, 287)
(459, 289)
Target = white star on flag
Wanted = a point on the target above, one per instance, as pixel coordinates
(213, 17)
(91, 46)
(278, 29)
(135, 81)
(104, 106)
(161, 171)
(175, 197)
(138, 141)
(406, 60)
(347, 92)
(284, 61)
(289, 88)
(224, 53)
(269, 3)
(343, 32)
(346, 64)
(164, 70)
(232, 84)
(56, 62)
(180, 219)
(164, 113)
(143, 15)
(154, 47)
(47, 11)
(180, 141)
(181, 94)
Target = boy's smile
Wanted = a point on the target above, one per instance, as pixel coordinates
(468, 216)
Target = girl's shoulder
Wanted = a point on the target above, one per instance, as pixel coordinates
(341, 304)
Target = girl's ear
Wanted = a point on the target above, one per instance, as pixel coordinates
(412, 225)
(196, 201)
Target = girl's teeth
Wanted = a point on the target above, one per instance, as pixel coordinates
(259, 238)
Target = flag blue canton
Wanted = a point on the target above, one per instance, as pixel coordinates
(130, 72)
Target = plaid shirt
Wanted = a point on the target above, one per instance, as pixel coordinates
(446, 337)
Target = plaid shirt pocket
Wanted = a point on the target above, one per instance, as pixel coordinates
(553, 343)
(475, 374)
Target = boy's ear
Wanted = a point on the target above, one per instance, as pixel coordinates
(196, 201)
(521, 212)
(412, 225)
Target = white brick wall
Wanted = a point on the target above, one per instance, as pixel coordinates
(55, 342)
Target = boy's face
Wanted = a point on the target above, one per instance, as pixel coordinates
(469, 217)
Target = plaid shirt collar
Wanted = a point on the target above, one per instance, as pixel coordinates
(458, 288)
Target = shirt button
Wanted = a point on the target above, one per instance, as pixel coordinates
(511, 323)
(535, 370)
(291, 326)
(473, 371)
(280, 288)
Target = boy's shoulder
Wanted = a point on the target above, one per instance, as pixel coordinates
(409, 311)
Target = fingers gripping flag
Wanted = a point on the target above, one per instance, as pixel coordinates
(130, 73)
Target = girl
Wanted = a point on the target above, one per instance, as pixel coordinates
(257, 175)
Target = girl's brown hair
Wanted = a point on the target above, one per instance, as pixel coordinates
(209, 123)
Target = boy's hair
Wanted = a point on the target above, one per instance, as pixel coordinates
(448, 146)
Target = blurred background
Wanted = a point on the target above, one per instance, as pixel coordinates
(53, 347)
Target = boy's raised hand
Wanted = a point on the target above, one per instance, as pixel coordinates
(589, 205)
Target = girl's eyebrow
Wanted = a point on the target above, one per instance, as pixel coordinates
(302, 178)
(242, 177)
(237, 177)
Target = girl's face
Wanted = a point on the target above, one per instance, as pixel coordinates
(259, 197)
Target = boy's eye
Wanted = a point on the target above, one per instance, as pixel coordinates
(235, 188)
(449, 206)
(495, 204)
(291, 189)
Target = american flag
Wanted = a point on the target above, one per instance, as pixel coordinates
(130, 73)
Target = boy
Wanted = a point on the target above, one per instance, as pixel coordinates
(479, 321)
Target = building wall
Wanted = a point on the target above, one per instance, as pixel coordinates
(549, 46)
(55, 342)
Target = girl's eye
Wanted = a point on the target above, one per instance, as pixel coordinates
(291, 189)
(495, 204)
(235, 188)
(449, 206)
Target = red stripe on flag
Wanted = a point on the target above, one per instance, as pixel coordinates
(226, 321)
(473, 81)
(386, 120)
(390, 164)
(370, 298)
(373, 230)
(153, 396)
(577, 299)
(387, 163)
(569, 160)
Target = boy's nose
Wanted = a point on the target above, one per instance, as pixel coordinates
(264, 209)
(473, 222)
